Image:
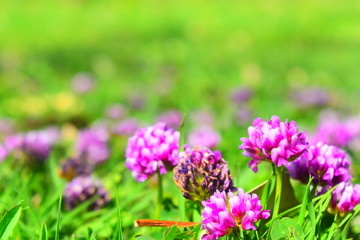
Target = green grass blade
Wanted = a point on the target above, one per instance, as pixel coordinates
(182, 206)
(120, 236)
(346, 228)
(304, 204)
(322, 207)
(332, 230)
(9, 221)
(43, 232)
(182, 210)
(311, 211)
(286, 228)
(319, 198)
(92, 235)
(170, 234)
(278, 188)
(181, 130)
(57, 231)
(69, 217)
(268, 189)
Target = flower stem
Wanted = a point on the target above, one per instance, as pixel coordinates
(160, 196)
(277, 191)
(160, 190)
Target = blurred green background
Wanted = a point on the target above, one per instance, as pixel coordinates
(194, 50)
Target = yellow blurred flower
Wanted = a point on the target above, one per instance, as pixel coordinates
(66, 102)
(69, 132)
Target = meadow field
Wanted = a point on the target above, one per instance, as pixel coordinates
(79, 78)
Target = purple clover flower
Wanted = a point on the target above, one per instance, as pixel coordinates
(7, 127)
(115, 111)
(243, 115)
(172, 118)
(273, 141)
(36, 145)
(82, 83)
(311, 96)
(328, 165)
(224, 213)
(153, 149)
(3, 153)
(13, 142)
(353, 125)
(202, 117)
(83, 188)
(75, 167)
(200, 172)
(345, 197)
(137, 101)
(241, 95)
(333, 131)
(91, 145)
(127, 127)
(204, 136)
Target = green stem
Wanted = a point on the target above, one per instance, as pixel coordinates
(160, 190)
(277, 191)
(160, 196)
(182, 207)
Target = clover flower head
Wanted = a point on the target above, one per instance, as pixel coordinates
(75, 167)
(201, 172)
(273, 141)
(36, 145)
(202, 118)
(7, 127)
(227, 212)
(241, 95)
(243, 115)
(204, 136)
(91, 145)
(13, 142)
(172, 118)
(311, 97)
(115, 111)
(126, 127)
(153, 149)
(82, 83)
(327, 164)
(345, 197)
(333, 131)
(83, 188)
(3, 153)
(136, 101)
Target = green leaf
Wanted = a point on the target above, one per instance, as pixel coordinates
(182, 139)
(68, 218)
(57, 232)
(286, 228)
(346, 228)
(311, 210)
(332, 230)
(9, 221)
(93, 236)
(193, 234)
(119, 230)
(142, 237)
(170, 234)
(268, 189)
(43, 232)
(182, 206)
(304, 204)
